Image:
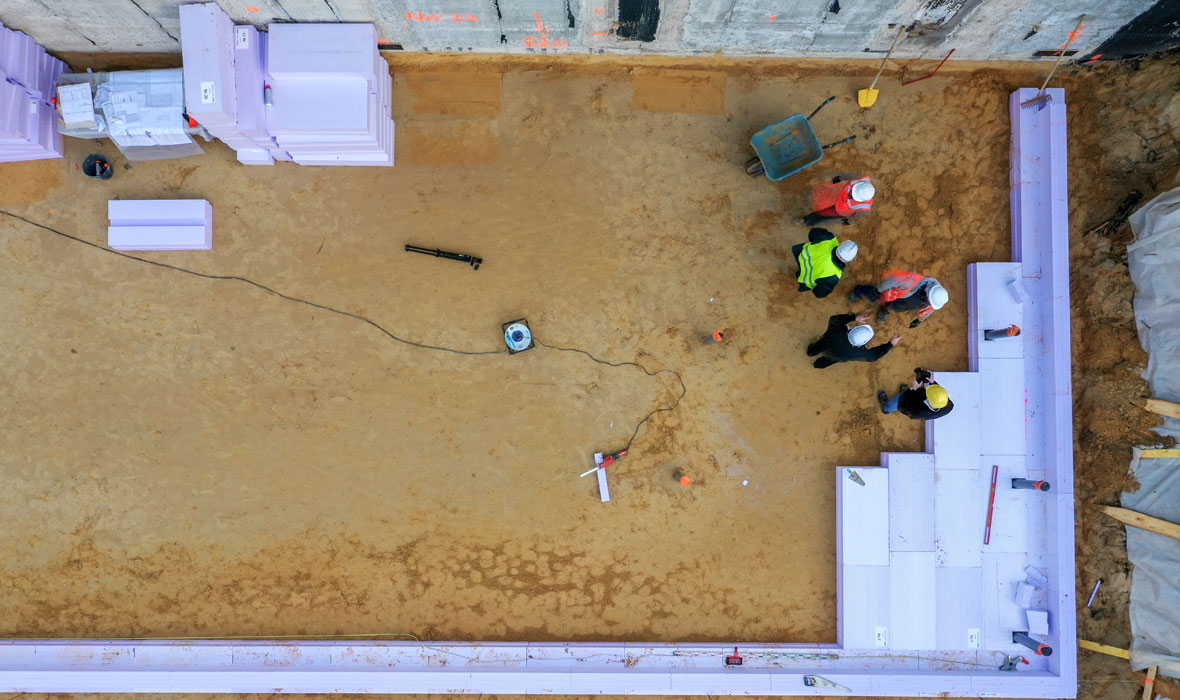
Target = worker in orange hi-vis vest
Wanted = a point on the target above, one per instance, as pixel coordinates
(842, 198)
(899, 290)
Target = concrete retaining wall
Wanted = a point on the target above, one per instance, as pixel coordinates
(976, 29)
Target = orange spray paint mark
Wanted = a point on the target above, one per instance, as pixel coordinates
(251, 8)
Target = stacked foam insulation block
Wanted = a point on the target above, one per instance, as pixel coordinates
(329, 91)
(28, 124)
(331, 94)
(160, 224)
(224, 80)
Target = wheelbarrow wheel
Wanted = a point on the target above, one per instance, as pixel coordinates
(754, 167)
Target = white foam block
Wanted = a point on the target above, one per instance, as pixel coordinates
(1002, 572)
(862, 517)
(997, 307)
(1024, 594)
(1002, 405)
(151, 212)
(955, 439)
(159, 238)
(207, 48)
(958, 518)
(603, 489)
(328, 50)
(958, 599)
(1038, 622)
(863, 606)
(911, 600)
(911, 501)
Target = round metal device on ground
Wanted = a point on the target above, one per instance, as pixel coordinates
(517, 336)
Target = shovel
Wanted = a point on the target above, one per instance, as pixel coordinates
(868, 96)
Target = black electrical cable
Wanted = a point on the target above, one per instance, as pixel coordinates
(358, 317)
(252, 283)
(648, 372)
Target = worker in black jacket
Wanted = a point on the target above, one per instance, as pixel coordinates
(843, 344)
(821, 261)
(923, 400)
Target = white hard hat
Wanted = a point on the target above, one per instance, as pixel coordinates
(860, 335)
(863, 191)
(846, 251)
(937, 296)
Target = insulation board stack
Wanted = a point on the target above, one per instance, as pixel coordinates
(331, 94)
(28, 123)
(160, 224)
(224, 78)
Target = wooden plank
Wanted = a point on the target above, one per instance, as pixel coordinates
(1163, 408)
(1159, 453)
(1104, 649)
(1149, 683)
(1144, 522)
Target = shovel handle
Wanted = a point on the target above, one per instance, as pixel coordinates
(887, 55)
(817, 109)
(837, 143)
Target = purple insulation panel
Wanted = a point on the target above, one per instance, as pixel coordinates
(207, 48)
(28, 124)
(250, 75)
(322, 50)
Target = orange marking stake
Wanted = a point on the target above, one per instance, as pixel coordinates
(682, 479)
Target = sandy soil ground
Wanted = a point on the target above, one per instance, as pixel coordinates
(194, 457)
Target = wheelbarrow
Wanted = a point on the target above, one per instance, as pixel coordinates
(785, 148)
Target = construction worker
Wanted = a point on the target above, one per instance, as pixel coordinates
(821, 261)
(842, 199)
(843, 344)
(923, 400)
(904, 291)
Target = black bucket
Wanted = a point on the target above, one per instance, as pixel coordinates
(97, 166)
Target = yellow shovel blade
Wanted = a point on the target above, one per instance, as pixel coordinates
(867, 97)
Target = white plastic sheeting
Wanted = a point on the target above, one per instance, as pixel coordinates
(1155, 584)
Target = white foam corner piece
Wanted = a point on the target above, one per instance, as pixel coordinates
(862, 517)
(1011, 513)
(863, 606)
(1038, 622)
(911, 501)
(207, 50)
(958, 597)
(1024, 594)
(911, 600)
(1002, 573)
(955, 439)
(958, 517)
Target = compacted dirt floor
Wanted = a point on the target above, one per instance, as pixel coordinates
(193, 457)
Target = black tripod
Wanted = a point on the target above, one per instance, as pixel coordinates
(471, 260)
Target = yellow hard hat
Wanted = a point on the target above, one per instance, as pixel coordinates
(936, 396)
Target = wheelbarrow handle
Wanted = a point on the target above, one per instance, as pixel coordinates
(817, 109)
(837, 143)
